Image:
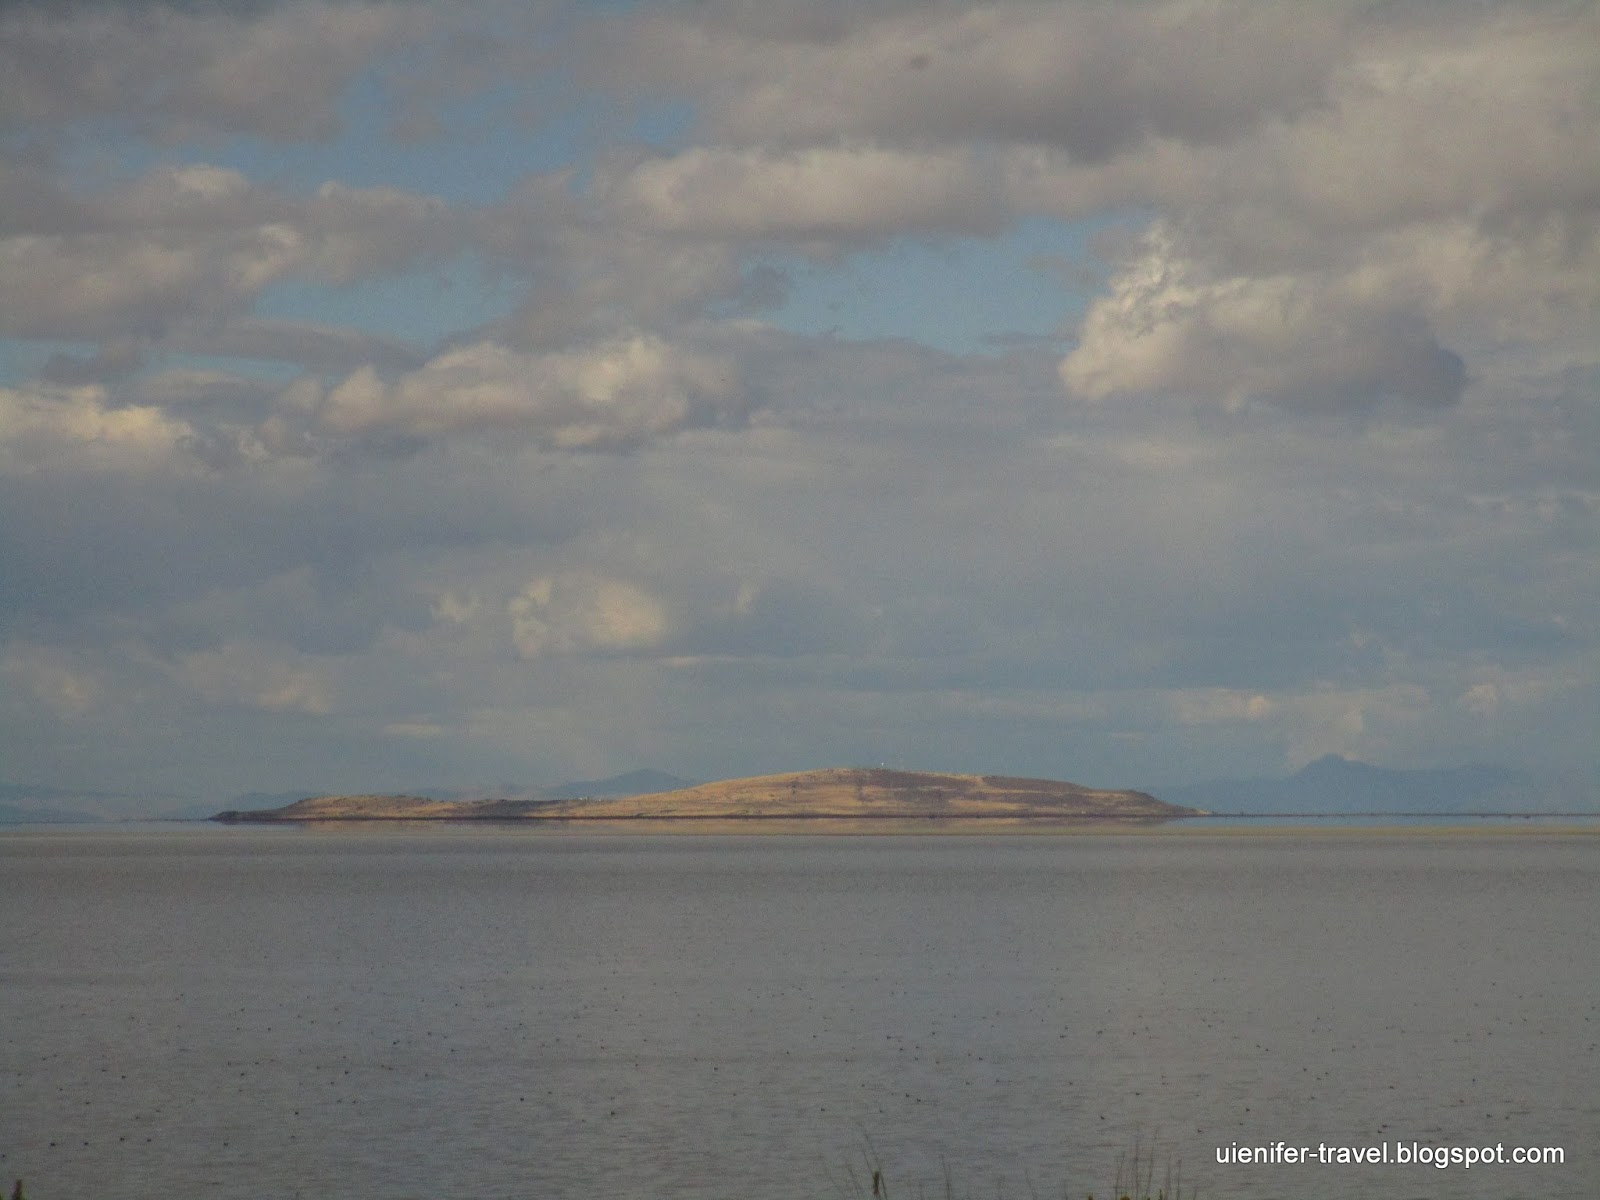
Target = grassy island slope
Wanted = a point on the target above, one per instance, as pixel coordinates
(837, 793)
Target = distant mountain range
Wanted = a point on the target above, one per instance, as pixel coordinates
(1337, 785)
(22, 804)
(26, 804)
(1331, 785)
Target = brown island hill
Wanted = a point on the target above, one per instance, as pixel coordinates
(835, 794)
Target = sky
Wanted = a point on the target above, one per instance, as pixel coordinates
(396, 393)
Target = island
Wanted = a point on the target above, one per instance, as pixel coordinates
(832, 794)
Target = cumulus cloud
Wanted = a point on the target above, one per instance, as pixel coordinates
(1438, 118)
(51, 676)
(608, 396)
(258, 676)
(1366, 196)
(1533, 281)
(1304, 341)
(576, 612)
(1092, 79)
(101, 286)
(818, 192)
(1367, 722)
(869, 546)
(42, 424)
(1345, 115)
(599, 273)
(181, 244)
(1211, 706)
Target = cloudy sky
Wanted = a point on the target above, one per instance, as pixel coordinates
(402, 393)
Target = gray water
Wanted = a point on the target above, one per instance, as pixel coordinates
(468, 1012)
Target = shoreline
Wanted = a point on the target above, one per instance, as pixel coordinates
(1211, 826)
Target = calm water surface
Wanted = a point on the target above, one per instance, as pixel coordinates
(484, 1013)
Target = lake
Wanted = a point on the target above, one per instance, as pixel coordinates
(502, 1012)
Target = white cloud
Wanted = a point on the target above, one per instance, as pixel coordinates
(1481, 699)
(818, 192)
(198, 243)
(1365, 723)
(1509, 690)
(1446, 119)
(1532, 281)
(607, 396)
(866, 546)
(1213, 706)
(1304, 341)
(105, 285)
(1091, 78)
(453, 608)
(1367, 198)
(52, 676)
(43, 424)
(600, 277)
(414, 729)
(256, 675)
(578, 611)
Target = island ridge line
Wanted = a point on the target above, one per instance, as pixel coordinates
(847, 793)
